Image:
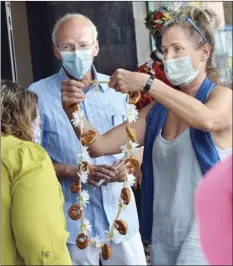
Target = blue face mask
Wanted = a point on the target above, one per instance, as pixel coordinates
(77, 63)
(37, 134)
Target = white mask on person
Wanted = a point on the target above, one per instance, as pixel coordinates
(77, 63)
(179, 71)
(36, 133)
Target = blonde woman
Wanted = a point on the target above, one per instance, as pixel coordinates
(184, 133)
(32, 224)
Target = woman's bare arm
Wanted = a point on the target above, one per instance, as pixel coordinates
(213, 116)
(111, 142)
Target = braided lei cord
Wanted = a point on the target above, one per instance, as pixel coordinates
(77, 211)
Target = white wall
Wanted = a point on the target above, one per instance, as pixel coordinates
(142, 34)
(21, 43)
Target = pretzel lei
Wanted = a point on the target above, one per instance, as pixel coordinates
(77, 211)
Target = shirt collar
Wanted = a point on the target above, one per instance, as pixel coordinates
(97, 76)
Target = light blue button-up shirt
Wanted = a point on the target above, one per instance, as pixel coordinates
(104, 109)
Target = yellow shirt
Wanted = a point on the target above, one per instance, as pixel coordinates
(33, 223)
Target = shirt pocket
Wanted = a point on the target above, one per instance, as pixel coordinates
(117, 119)
(117, 114)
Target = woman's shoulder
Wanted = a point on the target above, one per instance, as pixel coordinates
(14, 149)
(221, 92)
(222, 89)
(21, 158)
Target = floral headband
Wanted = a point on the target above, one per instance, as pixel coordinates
(155, 20)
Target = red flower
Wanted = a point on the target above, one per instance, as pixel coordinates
(158, 15)
(159, 74)
(158, 26)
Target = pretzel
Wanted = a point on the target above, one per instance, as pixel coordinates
(73, 108)
(88, 138)
(82, 241)
(85, 166)
(133, 165)
(121, 227)
(106, 252)
(134, 97)
(126, 195)
(75, 187)
(75, 212)
(131, 133)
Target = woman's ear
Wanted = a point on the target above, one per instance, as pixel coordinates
(206, 52)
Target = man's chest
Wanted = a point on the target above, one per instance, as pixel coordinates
(102, 110)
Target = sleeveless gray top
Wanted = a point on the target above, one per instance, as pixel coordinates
(176, 173)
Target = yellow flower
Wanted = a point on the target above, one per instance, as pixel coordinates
(166, 16)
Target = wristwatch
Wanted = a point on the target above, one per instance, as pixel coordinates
(149, 84)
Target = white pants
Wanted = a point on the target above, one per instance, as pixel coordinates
(129, 252)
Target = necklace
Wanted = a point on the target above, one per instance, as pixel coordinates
(77, 210)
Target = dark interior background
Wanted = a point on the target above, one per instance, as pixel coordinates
(116, 34)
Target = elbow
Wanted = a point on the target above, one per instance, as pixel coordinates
(93, 155)
(96, 149)
(207, 125)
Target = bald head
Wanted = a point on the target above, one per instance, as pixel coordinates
(75, 25)
(75, 30)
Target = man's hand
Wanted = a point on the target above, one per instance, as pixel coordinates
(121, 171)
(64, 171)
(138, 181)
(105, 172)
(71, 94)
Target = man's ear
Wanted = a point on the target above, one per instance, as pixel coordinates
(56, 52)
(96, 49)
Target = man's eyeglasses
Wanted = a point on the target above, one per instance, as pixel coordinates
(71, 47)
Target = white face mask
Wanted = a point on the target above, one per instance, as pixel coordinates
(36, 133)
(179, 71)
(77, 63)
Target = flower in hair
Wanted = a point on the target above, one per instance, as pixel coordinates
(155, 20)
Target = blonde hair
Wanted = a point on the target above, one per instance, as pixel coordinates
(18, 110)
(73, 16)
(207, 21)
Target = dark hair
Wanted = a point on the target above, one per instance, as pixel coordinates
(18, 110)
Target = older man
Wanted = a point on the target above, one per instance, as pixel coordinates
(75, 44)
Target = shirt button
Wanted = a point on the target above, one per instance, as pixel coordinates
(46, 254)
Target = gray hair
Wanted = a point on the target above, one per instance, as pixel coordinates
(73, 16)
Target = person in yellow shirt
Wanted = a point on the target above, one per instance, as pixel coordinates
(32, 219)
